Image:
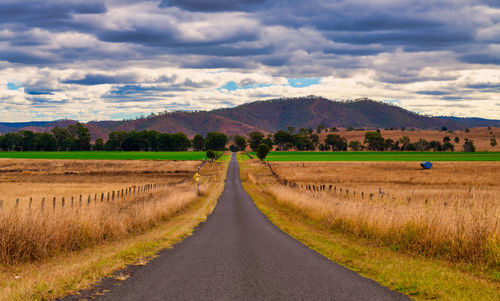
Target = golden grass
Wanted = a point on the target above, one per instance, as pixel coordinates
(420, 277)
(36, 232)
(428, 212)
(70, 271)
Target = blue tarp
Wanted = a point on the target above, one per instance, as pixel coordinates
(426, 165)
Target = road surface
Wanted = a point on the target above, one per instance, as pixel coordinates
(238, 254)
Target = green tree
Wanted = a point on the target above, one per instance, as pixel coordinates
(469, 145)
(198, 142)
(283, 139)
(262, 151)
(240, 142)
(493, 142)
(210, 154)
(457, 140)
(355, 145)
(404, 141)
(375, 141)
(255, 138)
(336, 142)
(98, 144)
(446, 139)
(215, 141)
(81, 137)
(320, 128)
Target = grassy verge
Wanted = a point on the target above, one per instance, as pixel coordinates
(98, 155)
(419, 277)
(58, 276)
(382, 156)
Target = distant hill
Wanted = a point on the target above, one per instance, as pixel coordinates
(473, 122)
(272, 115)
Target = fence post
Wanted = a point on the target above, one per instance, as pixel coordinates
(80, 202)
(113, 196)
(54, 203)
(17, 203)
(1, 205)
(31, 201)
(108, 197)
(62, 202)
(43, 203)
(102, 196)
(72, 202)
(88, 201)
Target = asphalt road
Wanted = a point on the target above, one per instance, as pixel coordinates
(238, 254)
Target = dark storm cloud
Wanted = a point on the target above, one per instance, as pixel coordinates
(99, 79)
(216, 5)
(46, 14)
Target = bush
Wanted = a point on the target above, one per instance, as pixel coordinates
(210, 154)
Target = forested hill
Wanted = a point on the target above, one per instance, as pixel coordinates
(273, 115)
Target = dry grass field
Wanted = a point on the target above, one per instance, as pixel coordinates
(451, 211)
(480, 136)
(36, 232)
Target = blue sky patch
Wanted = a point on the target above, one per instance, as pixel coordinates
(303, 82)
(13, 85)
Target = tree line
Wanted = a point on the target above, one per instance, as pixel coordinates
(77, 138)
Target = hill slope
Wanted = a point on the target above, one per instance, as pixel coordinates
(273, 115)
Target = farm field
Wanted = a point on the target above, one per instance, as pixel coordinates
(381, 156)
(49, 206)
(97, 155)
(449, 211)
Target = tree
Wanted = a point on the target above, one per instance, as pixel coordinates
(210, 154)
(493, 142)
(262, 151)
(467, 130)
(469, 145)
(404, 141)
(336, 142)
(215, 141)
(234, 148)
(240, 142)
(436, 145)
(375, 141)
(255, 139)
(444, 129)
(447, 147)
(422, 145)
(99, 144)
(64, 140)
(446, 139)
(198, 142)
(81, 136)
(389, 144)
(283, 139)
(291, 129)
(457, 140)
(320, 128)
(355, 145)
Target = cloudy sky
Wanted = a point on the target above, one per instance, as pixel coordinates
(94, 60)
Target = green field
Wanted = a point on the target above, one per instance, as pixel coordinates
(381, 156)
(107, 155)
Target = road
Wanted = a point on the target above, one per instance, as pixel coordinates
(238, 254)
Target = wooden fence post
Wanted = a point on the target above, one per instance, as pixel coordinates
(43, 204)
(108, 197)
(80, 201)
(1, 205)
(72, 201)
(17, 203)
(113, 196)
(62, 202)
(88, 201)
(31, 202)
(102, 196)
(54, 203)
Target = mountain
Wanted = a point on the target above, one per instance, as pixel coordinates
(273, 115)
